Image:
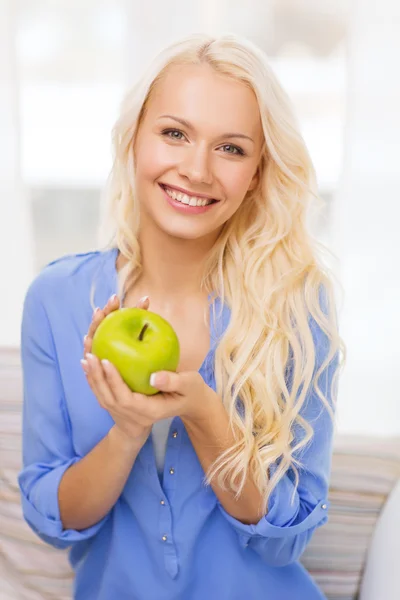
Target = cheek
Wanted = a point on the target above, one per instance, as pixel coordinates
(153, 158)
(236, 184)
(241, 179)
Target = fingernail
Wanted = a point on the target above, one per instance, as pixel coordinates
(113, 297)
(96, 311)
(84, 365)
(90, 357)
(143, 299)
(153, 379)
(106, 364)
(85, 338)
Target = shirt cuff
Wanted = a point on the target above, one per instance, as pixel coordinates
(41, 509)
(265, 528)
(284, 519)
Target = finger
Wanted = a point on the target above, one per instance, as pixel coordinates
(98, 316)
(112, 304)
(178, 383)
(98, 383)
(144, 303)
(117, 385)
(87, 346)
(146, 411)
(100, 388)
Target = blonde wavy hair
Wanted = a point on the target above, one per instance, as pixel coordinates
(264, 266)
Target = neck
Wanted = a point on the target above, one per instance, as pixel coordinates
(172, 267)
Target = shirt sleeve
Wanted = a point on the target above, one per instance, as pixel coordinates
(281, 536)
(46, 434)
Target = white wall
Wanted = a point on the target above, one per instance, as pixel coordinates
(367, 236)
(366, 209)
(16, 266)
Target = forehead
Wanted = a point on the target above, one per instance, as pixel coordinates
(209, 100)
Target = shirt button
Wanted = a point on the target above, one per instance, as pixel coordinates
(175, 434)
(172, 471)
(164, 538)
(324, 506)
(162, 502)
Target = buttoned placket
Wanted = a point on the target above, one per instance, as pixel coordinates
(169, 486)
(166, 490)
(171, 468)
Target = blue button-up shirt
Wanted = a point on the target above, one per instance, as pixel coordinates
(161, 541)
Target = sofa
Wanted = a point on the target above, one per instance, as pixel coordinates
(353, 556)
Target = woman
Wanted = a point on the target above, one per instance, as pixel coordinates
(212, 487)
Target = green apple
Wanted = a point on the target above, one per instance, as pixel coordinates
(137, 342)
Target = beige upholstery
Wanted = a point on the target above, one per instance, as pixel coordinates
(364, 471)
(29, 569)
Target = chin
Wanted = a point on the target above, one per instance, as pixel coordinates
(186, 233)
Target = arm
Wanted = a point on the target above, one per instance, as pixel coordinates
(90, 488)
(281, 535)
(48, 452)
(210, 438)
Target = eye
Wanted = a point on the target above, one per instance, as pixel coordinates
(239, 151)
(166, 133)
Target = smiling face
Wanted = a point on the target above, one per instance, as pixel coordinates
(201, 133)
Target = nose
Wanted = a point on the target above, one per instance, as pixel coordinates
(195, 166)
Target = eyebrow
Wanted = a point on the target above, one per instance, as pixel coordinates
(191, 127)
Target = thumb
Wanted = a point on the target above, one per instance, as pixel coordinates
(170, 381)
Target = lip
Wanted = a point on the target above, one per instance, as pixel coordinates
(179, 189)
(184, 208)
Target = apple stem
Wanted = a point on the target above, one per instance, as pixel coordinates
(145, 326)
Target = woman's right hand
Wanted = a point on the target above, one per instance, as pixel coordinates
(127, 428)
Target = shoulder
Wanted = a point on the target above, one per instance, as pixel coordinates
(65, 274)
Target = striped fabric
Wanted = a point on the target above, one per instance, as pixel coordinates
(364, 471)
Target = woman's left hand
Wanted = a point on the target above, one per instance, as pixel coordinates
(183, 394)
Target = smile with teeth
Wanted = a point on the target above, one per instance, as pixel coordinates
(185, 199)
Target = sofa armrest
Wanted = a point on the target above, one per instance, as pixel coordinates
(381, 577)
